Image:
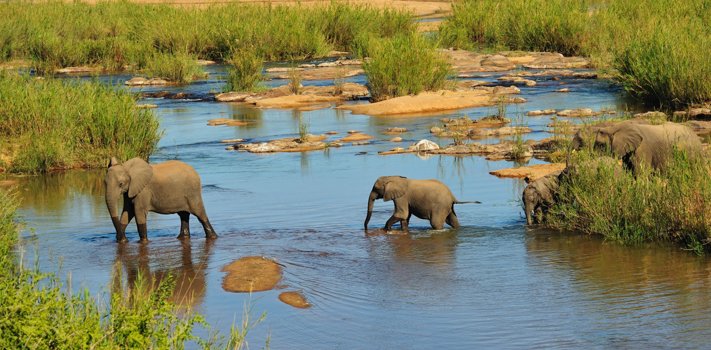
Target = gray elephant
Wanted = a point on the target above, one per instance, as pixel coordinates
(539, 196)
(646, 144)
(426, 199)
(166, 188)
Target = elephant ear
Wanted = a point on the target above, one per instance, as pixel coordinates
(394, 189)
(113, 161)
(140, 173)
(626, 140)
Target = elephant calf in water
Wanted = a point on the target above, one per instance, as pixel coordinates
(426, 199)
(539, 196)
(166, 188)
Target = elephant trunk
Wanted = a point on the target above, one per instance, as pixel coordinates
(371, 200)
(112, 206)
(528, 207)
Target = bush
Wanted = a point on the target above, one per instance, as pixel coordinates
(674, 205)
(403, 65)
(51, 124)
(180, 68)
(245, 71)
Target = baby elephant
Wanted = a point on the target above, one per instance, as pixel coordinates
(539, 196)
(426, 199)
(166, 188)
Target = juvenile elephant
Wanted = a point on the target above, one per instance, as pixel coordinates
(426, 199)
(645, 143)
(539, 196)
(166, 188)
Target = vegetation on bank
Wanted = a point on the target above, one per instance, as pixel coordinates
(51, 124)
(404, 65)
(124, 35)
(38, 311)
(655, 48)
(673, 205)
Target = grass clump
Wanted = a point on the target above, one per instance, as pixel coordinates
(403, 65)
(180, 68)
(672, 205)
(50, 124)
(245, 71)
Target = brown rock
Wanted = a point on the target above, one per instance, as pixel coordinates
(331, 132)
(251, 274)
(517, 80)
(563, 90)
(433, 102)
(294, 299)
(232, 96)
(396, 139)
(533, 172)
(503, 131)
(356, 137)
(78, 70)
(321, 73)
(576, 113)
(558, 62)
(140, 81)
(537, 113)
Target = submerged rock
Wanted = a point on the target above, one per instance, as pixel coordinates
(251, 274)
(294, 299)
(394, 131)
(227, 122)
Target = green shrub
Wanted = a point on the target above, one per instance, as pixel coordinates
(180, 68)
(245, 71)
(51, 124)
(403, 65)
(674, 205)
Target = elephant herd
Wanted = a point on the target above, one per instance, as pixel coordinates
(637, 142)
(174, 187)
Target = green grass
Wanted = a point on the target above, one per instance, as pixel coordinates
(178, 67)
(654, 48)
(39, 311)
(674, 205)
(404, 65)
(124, 35)
(245, 71)
(50, 124)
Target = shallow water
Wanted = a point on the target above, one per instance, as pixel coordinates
(490, 283)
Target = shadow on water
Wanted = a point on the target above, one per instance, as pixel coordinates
(188, 267)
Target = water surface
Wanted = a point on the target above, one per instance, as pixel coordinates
(491, 283)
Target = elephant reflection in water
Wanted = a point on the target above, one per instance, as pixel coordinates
(190, 276)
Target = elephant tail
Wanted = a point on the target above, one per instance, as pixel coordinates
(467, 202)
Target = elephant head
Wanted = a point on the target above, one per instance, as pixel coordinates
(387, 188)
(621, 140)
(131, 177)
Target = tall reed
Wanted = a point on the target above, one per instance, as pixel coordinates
(51, 124)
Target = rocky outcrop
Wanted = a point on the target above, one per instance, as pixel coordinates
(312, 143)
(539, 112)
(309, 97)
(141, 81)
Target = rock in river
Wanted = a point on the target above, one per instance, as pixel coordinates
(251, 274)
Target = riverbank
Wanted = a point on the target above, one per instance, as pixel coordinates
(654, 48)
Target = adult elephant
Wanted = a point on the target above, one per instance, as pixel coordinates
(166, 188)
(648, 144)
(426, 199)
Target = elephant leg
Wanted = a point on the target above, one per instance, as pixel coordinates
(437, 222)
(404, 224)
(126, 217)
(391, 221)
(184, 225)
(141, 225)
(452, 220)
(205, 222)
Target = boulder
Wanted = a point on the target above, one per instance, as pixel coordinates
(539, 112)
(424, 145)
